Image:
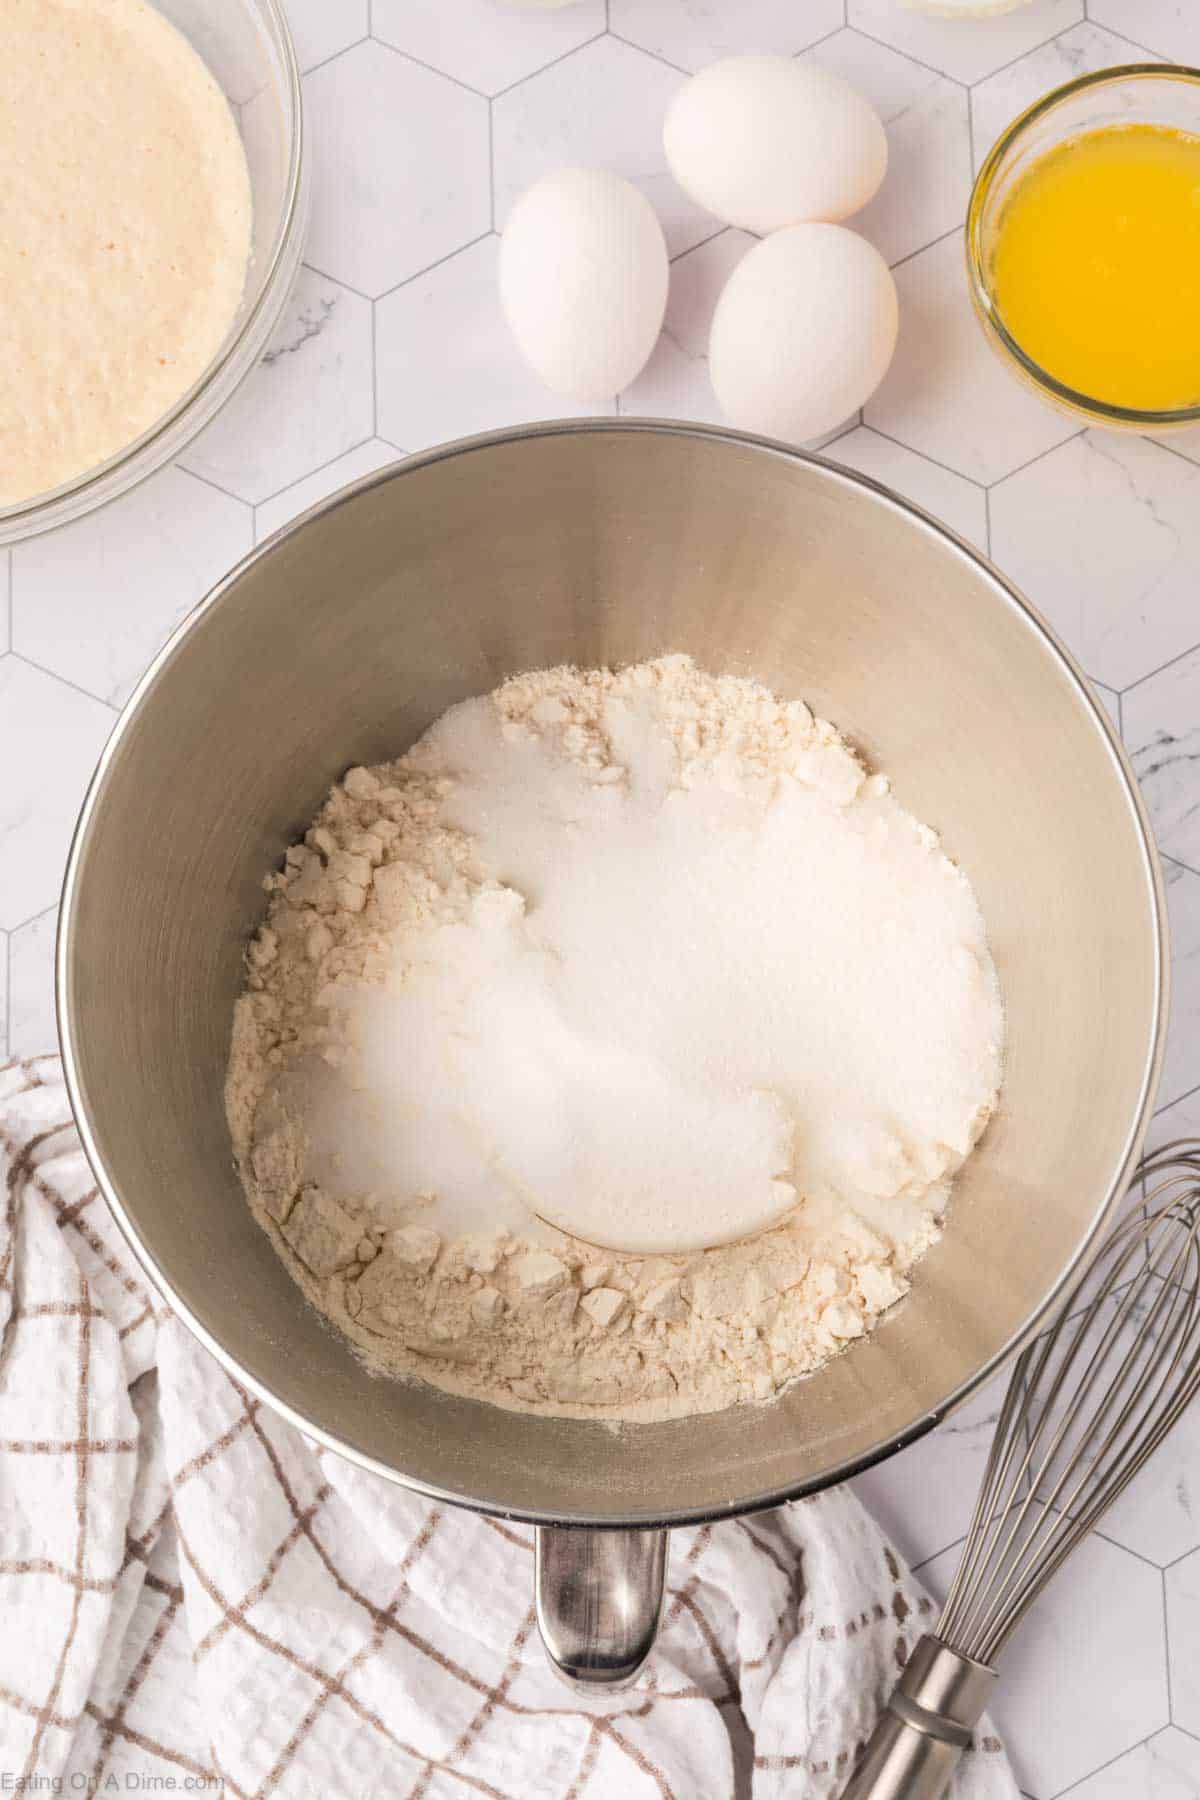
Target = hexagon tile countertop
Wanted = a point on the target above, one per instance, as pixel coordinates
(427, 118)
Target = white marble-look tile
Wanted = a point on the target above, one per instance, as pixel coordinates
(32, 1029)
(674, 384)
(1168, 28)
(50, 738)
(947, 393)
(446, 362)
(96, 600)
(1181, 1067)
(959, 503)
(967, 49)
(1162, 734)
(1184, 442)
(828, 439)
(1178, 1119)
(1183, 1633)
(309, 399)
(485, 43)
(601, 107)
(5, 592)
(1110, 701)
(691, 33)
(1158, 1515)
(281, 508)
(1103, 536)
(924, 1496)
(320, 28)
(928, 181)
(1085, 1676)
(995, 103)
(400, 167)
(3, 995)
(1165, 1767)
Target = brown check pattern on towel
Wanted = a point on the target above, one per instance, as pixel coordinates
(195, 1599)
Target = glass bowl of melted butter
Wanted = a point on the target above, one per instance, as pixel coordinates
(1083, 246)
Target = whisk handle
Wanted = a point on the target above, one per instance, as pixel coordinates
(930, 1718)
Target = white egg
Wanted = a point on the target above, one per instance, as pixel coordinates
(764, 141)
(583, 281)
(803, 331)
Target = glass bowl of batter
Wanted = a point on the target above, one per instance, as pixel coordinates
(46, 475)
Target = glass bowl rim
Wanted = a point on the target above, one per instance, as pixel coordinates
(1101, 411)
(174, 430)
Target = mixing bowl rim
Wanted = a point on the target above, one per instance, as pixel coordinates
(327, 1437)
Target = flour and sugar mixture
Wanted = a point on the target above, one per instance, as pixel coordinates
(614, 1050)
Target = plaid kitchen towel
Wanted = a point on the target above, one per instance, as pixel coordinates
(194, 1598)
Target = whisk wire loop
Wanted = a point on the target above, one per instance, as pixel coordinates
(1087, 1404)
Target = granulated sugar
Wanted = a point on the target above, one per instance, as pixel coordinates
(648, 957)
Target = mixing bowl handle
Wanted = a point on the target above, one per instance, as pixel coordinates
(599, 1598)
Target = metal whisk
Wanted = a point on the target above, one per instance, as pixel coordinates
(1088, 1403)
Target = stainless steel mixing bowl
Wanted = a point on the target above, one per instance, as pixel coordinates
(338, 642)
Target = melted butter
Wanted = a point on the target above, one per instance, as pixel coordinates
(1095, 265)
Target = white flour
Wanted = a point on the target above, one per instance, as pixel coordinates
(648, 956)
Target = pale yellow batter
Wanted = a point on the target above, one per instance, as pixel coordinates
(124, 231)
